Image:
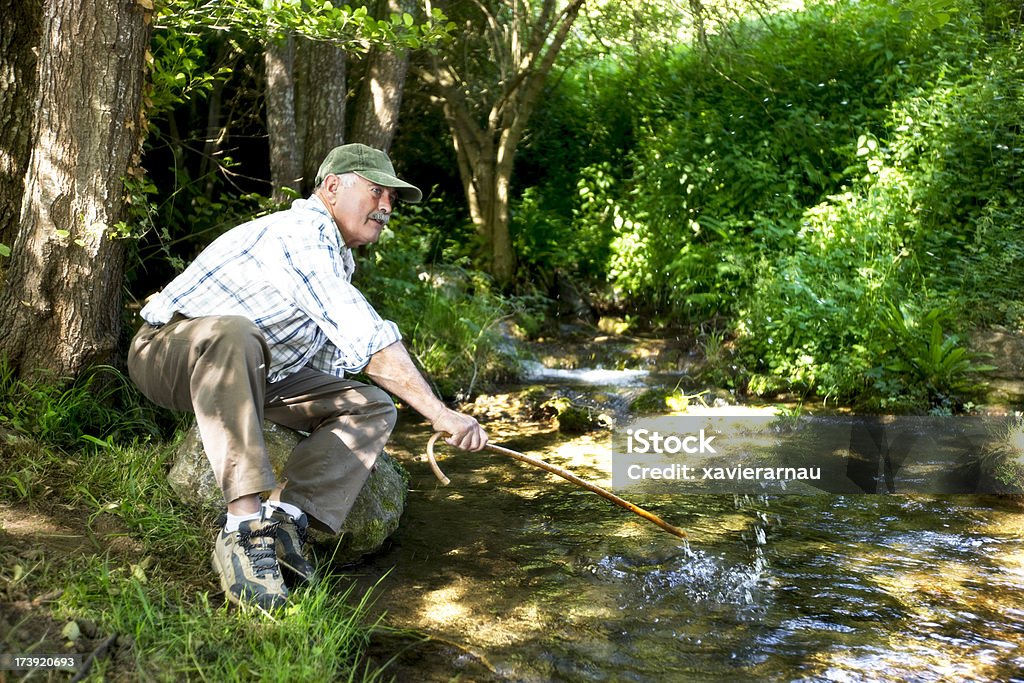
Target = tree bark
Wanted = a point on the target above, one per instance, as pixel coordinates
(285, 155)
(380, 95)
(20, 33)
(380, 99)
(322, 90)
(307, 87)
(60, 310)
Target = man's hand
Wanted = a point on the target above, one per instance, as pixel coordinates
(463, 430)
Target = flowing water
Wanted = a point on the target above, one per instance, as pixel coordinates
(512, 574)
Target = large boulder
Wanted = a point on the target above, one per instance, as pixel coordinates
(374, 516)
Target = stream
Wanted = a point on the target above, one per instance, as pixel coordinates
(513, 574)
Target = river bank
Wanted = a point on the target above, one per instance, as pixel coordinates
(510, 574)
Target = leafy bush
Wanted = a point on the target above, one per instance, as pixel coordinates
(929, 222)
(807, 171)
(736, 145)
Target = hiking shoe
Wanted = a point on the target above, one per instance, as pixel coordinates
(292, 536)
(246, 562)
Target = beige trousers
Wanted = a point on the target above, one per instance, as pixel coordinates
(216, 367)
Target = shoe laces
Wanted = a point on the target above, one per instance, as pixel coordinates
(259, 547)
(301, 530)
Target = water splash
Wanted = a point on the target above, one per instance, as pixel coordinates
(691, 575)
(697, 576)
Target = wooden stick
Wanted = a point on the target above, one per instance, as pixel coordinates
(565, 474)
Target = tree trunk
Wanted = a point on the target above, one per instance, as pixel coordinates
(380, 96)
(380, 99)
(60, 310)
(321, 94)
(486, 184)
(503, 254)
(524, 51)
(216, 127)
(20, 22)
(285, 155)
(485, 165)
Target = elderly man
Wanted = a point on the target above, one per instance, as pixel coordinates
(265, 323)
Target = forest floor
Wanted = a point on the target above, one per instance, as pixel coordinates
(33, 538)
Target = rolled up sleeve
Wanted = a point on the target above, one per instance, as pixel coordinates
(354, 331)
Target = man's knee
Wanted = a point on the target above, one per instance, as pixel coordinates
(381, 402)
(233, 334)
(378, 405)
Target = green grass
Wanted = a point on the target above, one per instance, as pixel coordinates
(320, 636)
(136, 568)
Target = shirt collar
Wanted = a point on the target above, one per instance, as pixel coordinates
(314, 203)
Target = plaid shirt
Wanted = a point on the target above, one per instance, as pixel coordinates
(290, 273)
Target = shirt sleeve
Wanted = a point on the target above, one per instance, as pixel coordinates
(320, 287)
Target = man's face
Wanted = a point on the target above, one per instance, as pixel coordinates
(361, 210)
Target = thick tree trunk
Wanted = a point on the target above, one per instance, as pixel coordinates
(321, 94)
(285, 154)
(486, 184)
(489, 208)
(380, 99)
(503, 255)
(60, 309)
(20, 22)
(380, 95)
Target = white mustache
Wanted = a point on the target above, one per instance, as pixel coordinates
(380, 216)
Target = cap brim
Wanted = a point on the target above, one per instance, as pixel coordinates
(406, 192)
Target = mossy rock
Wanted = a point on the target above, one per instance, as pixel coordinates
(376, 513)
(374, 516)
(571, 418)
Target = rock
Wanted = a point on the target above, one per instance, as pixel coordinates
(1003, 348)
(376, 512)
(374, 516)
(571, 418)
(612, 325)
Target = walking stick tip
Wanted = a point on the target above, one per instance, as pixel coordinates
(433, 461)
